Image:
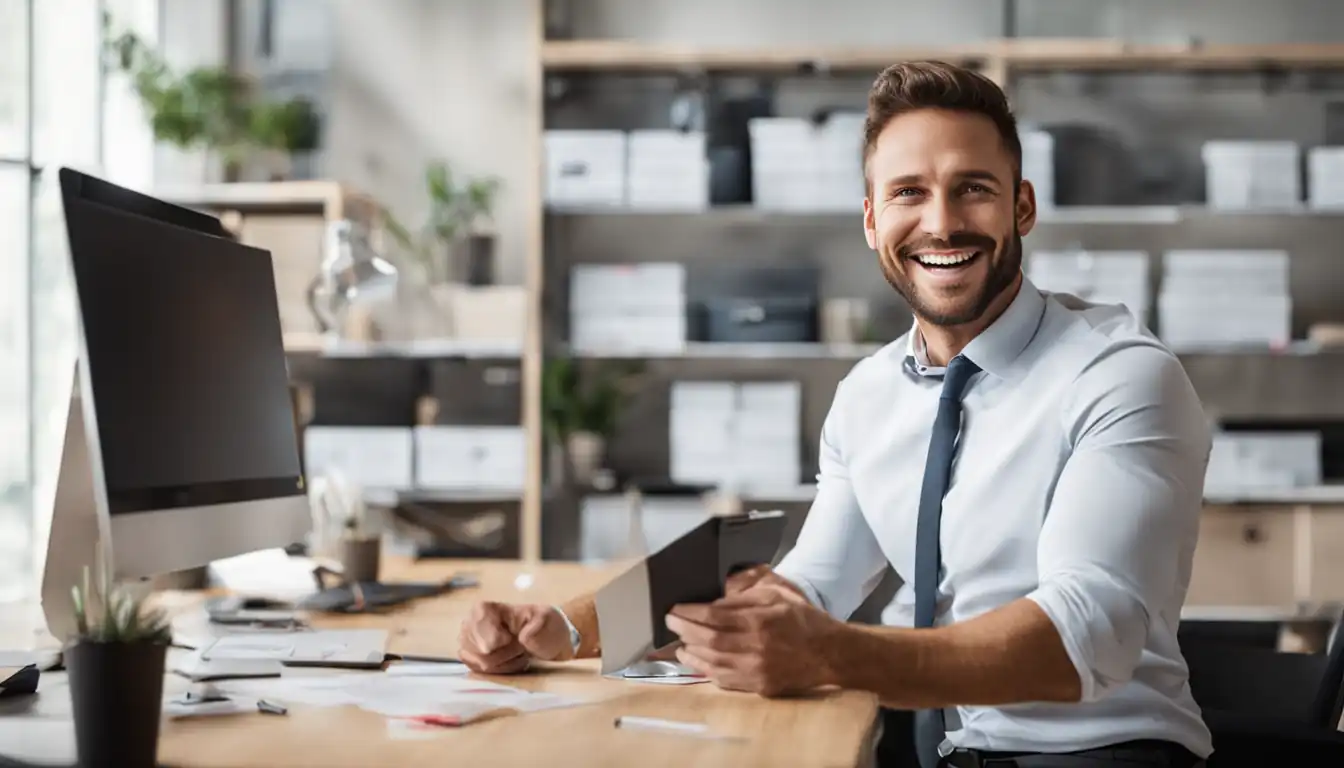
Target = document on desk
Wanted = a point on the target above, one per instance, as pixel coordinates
(632, 608)
(448, 700)
(336, 648)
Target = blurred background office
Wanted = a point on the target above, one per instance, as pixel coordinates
(559, 279)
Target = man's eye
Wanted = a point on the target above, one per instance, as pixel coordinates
(977, 189)
(905, 192)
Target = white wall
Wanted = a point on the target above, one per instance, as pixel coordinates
(417, 80)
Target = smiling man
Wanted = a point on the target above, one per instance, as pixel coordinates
(1030, 464)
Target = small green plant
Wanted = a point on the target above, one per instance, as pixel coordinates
(210, 107)
(454, 211)
(584, 400)
(105, 613)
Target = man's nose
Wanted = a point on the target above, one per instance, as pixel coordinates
(941, 218)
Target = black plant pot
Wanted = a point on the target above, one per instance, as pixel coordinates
(116, 691)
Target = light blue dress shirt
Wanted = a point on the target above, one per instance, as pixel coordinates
(1078, 484)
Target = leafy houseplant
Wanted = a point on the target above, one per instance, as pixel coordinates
(116, 664)
(580, 407)
(459, 216)
(211, 108)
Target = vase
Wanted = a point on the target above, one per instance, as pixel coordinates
(585, 451)
(116, 694)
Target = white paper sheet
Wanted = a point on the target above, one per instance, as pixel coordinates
(402, 696)
(426, 669)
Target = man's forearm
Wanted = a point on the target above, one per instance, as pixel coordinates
(1009, 655)
(582, 612)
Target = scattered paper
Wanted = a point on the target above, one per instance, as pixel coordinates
(436, 669)
(439, 700)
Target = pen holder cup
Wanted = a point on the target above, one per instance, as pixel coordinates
(361, 558)
(116, 694)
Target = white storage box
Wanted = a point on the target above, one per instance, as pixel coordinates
(799, 165)
(1260, 460)
(745, 436)
(1102, 277)
(1325, 177)
(585, 168)
(667, 170)
(374, 458)
(628, 308)
(1038, 165)
(470, 458)
(612, 530)
(1252, 174)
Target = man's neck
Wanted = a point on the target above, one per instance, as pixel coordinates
(944, 342)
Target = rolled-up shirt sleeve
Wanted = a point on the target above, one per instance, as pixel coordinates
(1118, 537)
(836, 561)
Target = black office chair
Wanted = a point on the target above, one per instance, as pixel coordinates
(1259, 701)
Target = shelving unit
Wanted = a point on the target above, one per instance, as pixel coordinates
(1002, 60)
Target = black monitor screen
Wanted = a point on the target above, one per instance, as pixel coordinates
(186, 363)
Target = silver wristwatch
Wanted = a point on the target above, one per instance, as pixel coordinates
(574, 639)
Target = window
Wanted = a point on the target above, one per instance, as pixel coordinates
(50, 93)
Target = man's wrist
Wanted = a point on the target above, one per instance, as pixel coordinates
(575, 639)
(834, 650)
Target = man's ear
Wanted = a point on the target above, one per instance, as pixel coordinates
(869, 227)
(1025, 209)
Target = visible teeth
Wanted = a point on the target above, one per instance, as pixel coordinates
(941, 260)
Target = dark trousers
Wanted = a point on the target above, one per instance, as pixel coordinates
(896, 749)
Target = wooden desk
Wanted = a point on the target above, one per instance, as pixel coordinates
(831, 729)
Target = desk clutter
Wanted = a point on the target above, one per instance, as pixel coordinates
(1205, 298)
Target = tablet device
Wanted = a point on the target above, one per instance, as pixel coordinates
(632, 608)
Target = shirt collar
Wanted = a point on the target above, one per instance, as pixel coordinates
(998, 346)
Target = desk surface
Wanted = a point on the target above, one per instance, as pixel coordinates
(834, 728)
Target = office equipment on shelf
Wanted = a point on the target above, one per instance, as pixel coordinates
(632, 607)
(1105, 277)
(1038, 163)
(1242, 462)
(630, 308)
(1248, 175)
(1325, 178)
(667, 170)
(180, 444)
(803, 164)
(1225, 298)
(742, 436)
(470, 458)
(753, 304)
(585, 168)
(368, 456)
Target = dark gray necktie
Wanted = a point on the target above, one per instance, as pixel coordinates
(929, 726)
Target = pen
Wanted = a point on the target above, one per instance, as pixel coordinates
(699, 730)
(268, 708)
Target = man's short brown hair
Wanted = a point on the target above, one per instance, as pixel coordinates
(913, 85)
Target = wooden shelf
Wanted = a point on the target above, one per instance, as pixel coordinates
(330, 199)
(1019, 55)
(625, 56)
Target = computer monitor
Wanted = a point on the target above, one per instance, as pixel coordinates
(181, 445)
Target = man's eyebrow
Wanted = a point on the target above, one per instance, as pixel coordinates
(981, 175)
(915, 178)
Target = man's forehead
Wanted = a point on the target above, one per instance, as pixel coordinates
(928, 143)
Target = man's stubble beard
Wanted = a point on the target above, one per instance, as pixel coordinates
(1002, 271)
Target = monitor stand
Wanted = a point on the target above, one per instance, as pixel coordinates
(77, 534)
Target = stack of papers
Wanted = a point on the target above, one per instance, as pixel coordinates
(440, 697)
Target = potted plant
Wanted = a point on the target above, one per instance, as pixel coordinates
(116, 663)
(580, 409)
(456, 243)
(212, 108)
